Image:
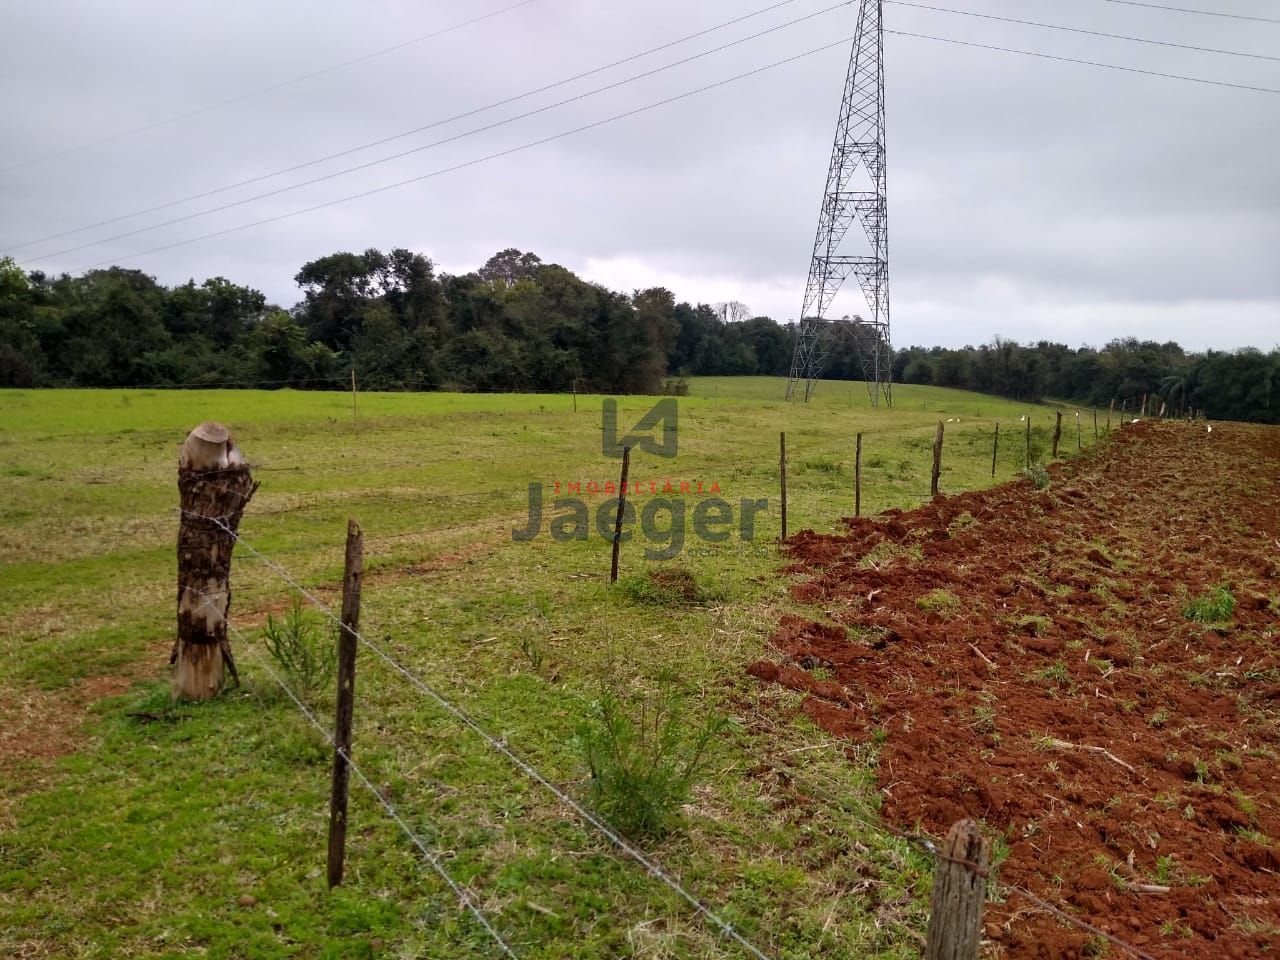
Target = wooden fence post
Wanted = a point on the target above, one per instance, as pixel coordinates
(782, 473)
(995, 449)
(617, 523)
(959, 894)
(1095, 423)
(1057, 434)
(857, 477)
(1110, 411)
(937, 460)
(352, 575)
(1028, 441)
(355, 415)
(1079, 433)
(214, 487)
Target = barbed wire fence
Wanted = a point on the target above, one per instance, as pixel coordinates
(587, 819)
(932, 847)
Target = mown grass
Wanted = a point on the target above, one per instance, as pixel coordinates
(143, 842)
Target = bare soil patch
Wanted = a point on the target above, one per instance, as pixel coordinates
(1025, 657)
(42, 725)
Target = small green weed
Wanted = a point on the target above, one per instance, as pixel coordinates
(939, 601)
(643, 760)
(533, 653)
(984, 719)
(306, 653)
(1035, 624)
(1058, 673)
(1038, 475)
(1096, 947)
(1215, 605)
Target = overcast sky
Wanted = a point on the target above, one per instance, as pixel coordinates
(1027, 198)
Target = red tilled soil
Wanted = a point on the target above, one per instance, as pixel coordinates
(992, 638)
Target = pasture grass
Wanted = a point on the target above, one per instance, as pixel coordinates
(144, 839)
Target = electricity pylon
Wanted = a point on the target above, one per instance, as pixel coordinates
(857, 160)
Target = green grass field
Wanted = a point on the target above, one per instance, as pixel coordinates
(131, 829)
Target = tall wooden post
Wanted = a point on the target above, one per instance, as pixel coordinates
(1057, 434)
(575, 394)
(352, 575)
(214, 487)
(1079, 433)
(1028, 441)
(937, 460)
(995, 449)
(1095, 423)
(857, 477)
(782, 478)
(959, 894)
(1110, 411)
(617, 522)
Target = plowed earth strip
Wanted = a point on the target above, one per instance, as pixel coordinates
(991, 638)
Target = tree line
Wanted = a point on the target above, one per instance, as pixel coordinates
(520, 324)
(1236, 385)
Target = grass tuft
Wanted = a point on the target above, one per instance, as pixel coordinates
(1215, 605)
(667, 587)
(644, 759)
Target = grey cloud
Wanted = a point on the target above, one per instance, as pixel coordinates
(1090, 199)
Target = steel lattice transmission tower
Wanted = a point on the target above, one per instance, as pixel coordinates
(857, 161)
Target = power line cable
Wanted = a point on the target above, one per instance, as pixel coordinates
(1203, 13)
(436, 143)
(638, 110)
(1090, 33)
(492, 156)
(1087, 63)
(261, 90)
(406, 133)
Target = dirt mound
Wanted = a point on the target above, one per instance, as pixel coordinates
(1025, 658)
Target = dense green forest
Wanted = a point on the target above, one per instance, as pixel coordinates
(520, 324)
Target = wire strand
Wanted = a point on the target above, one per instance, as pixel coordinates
(1088, 63)
(479, 160)
(1089, 33)
(498, 745)
(1203, 13)
(917, 839)
(261, 90)
(368, 164)
(432, 858)
(407, 133)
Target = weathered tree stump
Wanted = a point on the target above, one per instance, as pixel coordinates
(214, 487)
